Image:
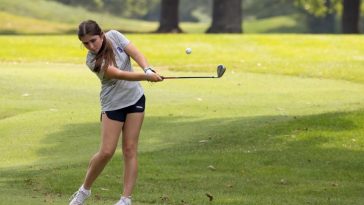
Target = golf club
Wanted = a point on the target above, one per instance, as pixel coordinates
(220, 72)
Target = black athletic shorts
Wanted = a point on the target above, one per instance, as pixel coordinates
(120, 115)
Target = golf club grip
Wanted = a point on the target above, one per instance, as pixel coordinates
(186, 77)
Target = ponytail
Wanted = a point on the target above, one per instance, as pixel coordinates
(105, 57)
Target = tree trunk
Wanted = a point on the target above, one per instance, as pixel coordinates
(226, 17)
(350, 18)
(168, 21)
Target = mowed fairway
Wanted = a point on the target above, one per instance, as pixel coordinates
(285, 125)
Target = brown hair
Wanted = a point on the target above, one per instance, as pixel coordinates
(106, 53)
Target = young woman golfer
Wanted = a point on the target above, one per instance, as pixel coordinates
(122, 102)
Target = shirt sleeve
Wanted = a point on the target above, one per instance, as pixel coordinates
(119, 38)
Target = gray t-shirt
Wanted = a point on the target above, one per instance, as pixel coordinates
(116, 94)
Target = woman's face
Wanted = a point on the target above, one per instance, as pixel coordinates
(93, 43)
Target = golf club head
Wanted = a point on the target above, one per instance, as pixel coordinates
(220, 70)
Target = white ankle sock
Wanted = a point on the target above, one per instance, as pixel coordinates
(87, 191)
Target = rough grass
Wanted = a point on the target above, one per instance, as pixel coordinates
(15, 24)
(278, 128)
(50, 17)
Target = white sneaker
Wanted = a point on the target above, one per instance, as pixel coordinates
(79, 197)
(124, 201)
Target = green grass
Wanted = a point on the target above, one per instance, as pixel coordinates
(283, 126)
(319, 56)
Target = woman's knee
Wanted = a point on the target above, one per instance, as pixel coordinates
(106, 154)
(130, 151)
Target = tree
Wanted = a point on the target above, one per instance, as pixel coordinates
(226, 17)
(169, 21)
(320, 14)
(350, 11)
(351, 14)
(324, 23)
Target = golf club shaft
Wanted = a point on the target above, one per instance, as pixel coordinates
(186, 77)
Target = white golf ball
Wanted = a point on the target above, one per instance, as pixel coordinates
(188, 50)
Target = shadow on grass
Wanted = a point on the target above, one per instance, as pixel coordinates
(314, 159)
(36, 33)
(63, 32)
(287, 29)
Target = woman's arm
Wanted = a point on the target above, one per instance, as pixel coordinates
(136, 55)
(114, 73)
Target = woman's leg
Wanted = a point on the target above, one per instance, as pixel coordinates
(110, 134)
(131, 130)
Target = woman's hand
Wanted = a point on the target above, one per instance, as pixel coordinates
(153, 77)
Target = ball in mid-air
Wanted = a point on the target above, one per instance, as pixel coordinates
(188, 50)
